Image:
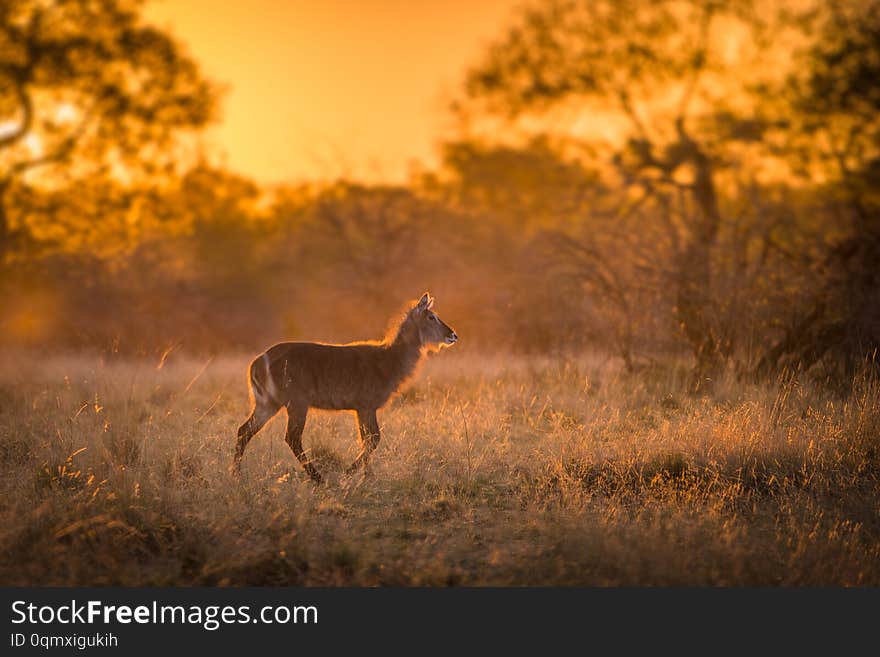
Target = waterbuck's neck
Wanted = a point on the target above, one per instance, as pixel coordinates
(405, 350)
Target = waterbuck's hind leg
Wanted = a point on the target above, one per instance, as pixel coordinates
(296, 422)
(257, 420)
(368, 431)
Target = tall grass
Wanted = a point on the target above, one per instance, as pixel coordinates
(491, 470)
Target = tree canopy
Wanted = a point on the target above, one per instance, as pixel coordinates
(88, 89)
(720, 102)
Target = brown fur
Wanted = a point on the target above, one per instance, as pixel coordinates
(361, 376)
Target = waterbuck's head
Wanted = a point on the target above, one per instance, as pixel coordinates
(433, 332)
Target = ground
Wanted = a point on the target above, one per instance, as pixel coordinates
(492, 470)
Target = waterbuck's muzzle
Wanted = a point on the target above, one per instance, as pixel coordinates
(452, 339)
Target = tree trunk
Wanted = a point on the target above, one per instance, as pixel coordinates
(695, 305)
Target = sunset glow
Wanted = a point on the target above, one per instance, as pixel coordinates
(326, 89)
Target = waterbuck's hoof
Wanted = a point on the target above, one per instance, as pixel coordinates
(366, 471)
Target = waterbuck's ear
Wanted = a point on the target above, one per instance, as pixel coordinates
(425, 302)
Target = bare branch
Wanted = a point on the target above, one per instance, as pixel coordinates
(628, 109)
(59, 153)
(698, 64)
(27, 111)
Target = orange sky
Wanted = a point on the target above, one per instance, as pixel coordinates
(322, 88)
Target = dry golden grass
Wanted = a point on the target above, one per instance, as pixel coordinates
(491, 471)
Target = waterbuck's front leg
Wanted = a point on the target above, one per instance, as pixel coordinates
(296, 422)
(368, 430)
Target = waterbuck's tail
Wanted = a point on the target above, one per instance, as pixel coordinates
(263, 389)
(256, 382)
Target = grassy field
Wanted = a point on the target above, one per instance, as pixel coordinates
(491, 471)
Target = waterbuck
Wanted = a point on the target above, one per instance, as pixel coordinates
(360, 376)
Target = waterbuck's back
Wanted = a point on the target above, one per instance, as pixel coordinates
(355, 376)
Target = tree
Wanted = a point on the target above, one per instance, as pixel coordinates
(834, 94)
(87, 89)
(673, 74)
(370, 235)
